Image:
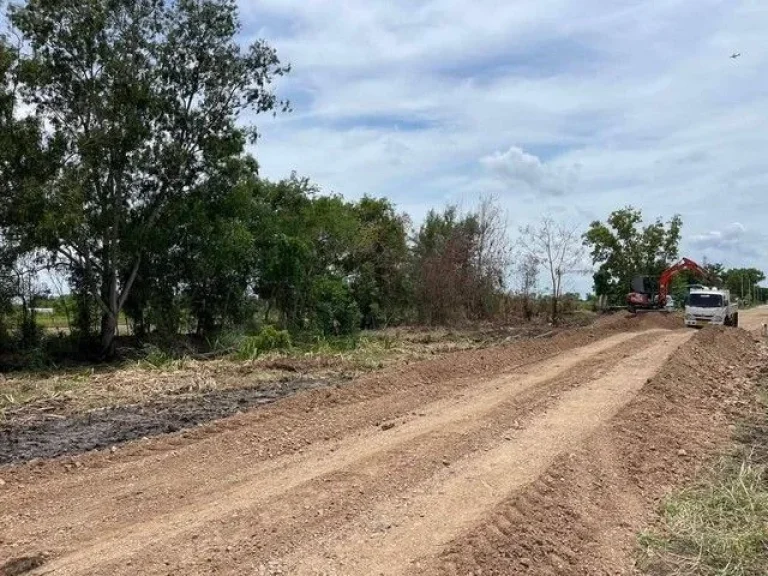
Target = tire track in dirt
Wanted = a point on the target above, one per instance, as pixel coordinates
(265, 529)
(272, 479)
(582, 516)
(451, 506)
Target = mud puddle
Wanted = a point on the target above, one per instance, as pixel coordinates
(52, 436)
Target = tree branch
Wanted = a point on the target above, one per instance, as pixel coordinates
(128, 284)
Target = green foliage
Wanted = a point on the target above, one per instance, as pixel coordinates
(214, 258)
(122, 159)
(623, 248)
(324, 345)
(268, 340)
(143, 96)
(156, 357)
(715, 270)
(335, 310)
(743, 283)
(378, 263)
(326, 263)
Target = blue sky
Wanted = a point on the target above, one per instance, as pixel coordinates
(573, 108)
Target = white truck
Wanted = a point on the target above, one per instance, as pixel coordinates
(706, 306)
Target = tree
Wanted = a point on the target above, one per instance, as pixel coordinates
(493, 253)
(623, 248)
(557, 247)
(27, 162)
(528, 275)
(715, 270)
(378, 263)
(19, 281)
(284, 254)
(142, 96)
(318, 254)
(8, 289)
(215, 253)
(460, 264)
(743, 282)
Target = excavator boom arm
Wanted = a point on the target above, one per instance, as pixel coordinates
(672, 271)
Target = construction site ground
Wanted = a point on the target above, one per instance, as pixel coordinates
(540, 456)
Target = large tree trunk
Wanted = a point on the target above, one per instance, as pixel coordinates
(554, 308)
(110, 314)
(108, 331)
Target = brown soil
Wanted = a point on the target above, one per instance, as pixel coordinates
(581, 516)
(539, 457)
(201, 392)
(641, 321)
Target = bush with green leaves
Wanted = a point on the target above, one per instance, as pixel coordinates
(336, 312)
(268, 340)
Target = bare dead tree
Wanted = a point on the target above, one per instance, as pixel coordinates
(462, 263)
(558, 248)
(527, 273)
(494, 249)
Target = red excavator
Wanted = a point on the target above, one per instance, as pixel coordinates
(646, 296)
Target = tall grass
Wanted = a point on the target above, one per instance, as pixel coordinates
(717, 528)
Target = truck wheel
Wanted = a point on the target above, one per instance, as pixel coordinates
(736, 320)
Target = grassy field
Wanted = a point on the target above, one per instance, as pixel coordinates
(53, 323)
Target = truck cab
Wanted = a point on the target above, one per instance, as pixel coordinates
(706, 306)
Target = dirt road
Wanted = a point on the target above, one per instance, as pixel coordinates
(386, 476)
(753, 319)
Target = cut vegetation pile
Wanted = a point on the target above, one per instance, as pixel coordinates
(582, 517)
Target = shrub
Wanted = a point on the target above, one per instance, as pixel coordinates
(336, 312)
(267, 340)
(156, 357)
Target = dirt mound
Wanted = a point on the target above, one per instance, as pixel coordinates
(581, 518)
(624, 321)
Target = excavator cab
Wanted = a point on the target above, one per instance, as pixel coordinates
(644, 285)
(644, 294)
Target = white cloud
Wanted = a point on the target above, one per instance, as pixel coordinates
(421, 102)
(517, 166)
(727, 238)
(734, 245)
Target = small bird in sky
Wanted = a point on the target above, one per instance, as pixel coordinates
(735, 55)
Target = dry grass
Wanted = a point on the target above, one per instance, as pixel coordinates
(718, 528)
(72, 391)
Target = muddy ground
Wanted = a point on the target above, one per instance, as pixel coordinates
(49, 435)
